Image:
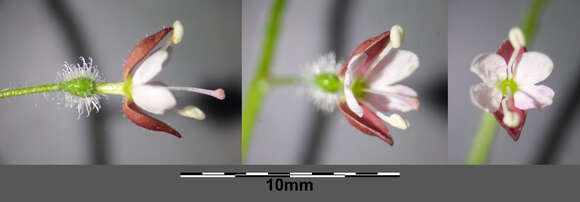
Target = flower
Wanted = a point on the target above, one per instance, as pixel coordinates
(154, 97)
(370, 86)
(509, 82)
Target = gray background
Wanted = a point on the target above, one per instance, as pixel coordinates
(36, 130)
(481, 26)
(281, 134)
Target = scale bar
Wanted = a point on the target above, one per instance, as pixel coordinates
(288, 174)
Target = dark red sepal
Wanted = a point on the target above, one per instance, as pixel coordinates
(141, 119)
(142, 49)
(369, 124)
(516, 131)
(371, 47)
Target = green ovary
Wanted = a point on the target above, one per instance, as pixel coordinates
(358, 88)
(503, 86)
(82, 87)
(328, 82)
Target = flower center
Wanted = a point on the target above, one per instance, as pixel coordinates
(328, 82)
(82, 87)
(503, 86)
(358, 88)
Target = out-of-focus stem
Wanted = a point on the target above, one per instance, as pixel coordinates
(259, 84)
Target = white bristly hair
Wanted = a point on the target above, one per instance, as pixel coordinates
(325, 101)
(84, 70)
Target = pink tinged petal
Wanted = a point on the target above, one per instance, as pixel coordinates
(372, 48)
(487, 98)
(396, 66)
(489, 67)
(138, 117)
(389, 98)
(529, 97)
(532, 68)
(369, 123)
(354, 66)
(353, 105)
(150, 67)
(515, 131)
(142, 49)
(154, 99)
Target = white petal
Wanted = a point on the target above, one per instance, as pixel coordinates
(532, 68)
(353, 68)
(352, 103)
(154, 99)
(150, 67)
(394, 67)
(485, 97)
(490, 67)
(389, 98)
(529, 97)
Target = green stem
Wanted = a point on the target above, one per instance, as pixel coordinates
(259, 84)
(483, 139)
(283, 81)
(531, 19)
(30, 90)
(487, 124)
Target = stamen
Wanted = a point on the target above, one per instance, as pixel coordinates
(177, 32)
(516, 37)
(517, 40)
(510, 119)
(397, 36)
(395, 120)
(190, 111)
(217, 93)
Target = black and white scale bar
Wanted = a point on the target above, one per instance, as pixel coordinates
(287, 174)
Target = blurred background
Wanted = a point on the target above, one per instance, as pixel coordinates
(549, 134)
(291, 130)
(38, 36)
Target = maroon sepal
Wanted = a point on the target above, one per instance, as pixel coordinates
(141, 119)
(372, 47)
(142, 49)
(513, 132)
(505, 51)
(369, 124)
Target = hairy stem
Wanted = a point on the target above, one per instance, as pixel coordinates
(30, 90)
(259, 84)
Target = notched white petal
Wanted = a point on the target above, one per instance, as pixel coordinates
(353, 68)
(485, 97)
(529, 97)
(154, 99)
(396, 66)
(150, 67)
(390, 98)
(490, 67)
(352, 103)
(533, 67)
